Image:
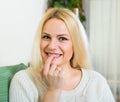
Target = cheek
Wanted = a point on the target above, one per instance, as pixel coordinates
(42, 48)
(69, 51)
(42, 45)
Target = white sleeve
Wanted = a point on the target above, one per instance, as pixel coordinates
(22, 89)
(107, 94)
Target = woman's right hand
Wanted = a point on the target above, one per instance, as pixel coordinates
(53, 75)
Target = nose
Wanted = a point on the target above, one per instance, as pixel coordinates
(52, 45)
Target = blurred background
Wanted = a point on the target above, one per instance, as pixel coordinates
(19, 20)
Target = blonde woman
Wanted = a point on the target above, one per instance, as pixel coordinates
(60, 67)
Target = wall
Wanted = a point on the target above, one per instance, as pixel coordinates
(18, 23)
(104, 35)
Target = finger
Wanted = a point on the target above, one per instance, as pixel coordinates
(52, 68)
(59, 69)
(47, 65)
(61, 73)
(56, 72)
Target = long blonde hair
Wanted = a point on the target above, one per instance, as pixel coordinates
(80, 57)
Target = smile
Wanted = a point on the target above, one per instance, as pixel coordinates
(55, 55)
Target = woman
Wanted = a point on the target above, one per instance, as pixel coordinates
(59, 70)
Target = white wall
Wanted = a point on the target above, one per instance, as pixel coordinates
(105, 40)
(18, 24)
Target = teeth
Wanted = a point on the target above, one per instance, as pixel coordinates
(55, 55)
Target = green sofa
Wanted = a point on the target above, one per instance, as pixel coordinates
(6, 74)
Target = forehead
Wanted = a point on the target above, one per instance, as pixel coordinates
(55, 26)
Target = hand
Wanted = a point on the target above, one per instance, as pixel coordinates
(53, 75)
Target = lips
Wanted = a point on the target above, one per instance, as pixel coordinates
(55, 55)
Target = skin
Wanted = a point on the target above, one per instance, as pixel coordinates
(56, 41)
(57, 50)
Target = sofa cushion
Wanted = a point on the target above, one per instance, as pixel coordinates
(6, 74)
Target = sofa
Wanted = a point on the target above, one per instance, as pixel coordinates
(6, 74)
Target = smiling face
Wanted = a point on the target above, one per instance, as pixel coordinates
(56, 42)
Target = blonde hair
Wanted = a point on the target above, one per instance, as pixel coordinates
(80, 57)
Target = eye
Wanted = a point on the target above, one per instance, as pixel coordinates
(62, 39)
(46, 37)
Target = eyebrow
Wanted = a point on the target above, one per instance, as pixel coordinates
(45, 33)
(57, 35)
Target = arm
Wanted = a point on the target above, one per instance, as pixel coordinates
(54, 79)
(22, 89)
(52, 96)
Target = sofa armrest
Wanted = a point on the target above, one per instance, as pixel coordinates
(6, 74)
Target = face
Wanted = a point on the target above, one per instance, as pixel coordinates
(56, 42)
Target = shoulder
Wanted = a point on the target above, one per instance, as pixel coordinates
(22, 82)
(94, 75)
(21, 76)
(21, 85)
(96, 84)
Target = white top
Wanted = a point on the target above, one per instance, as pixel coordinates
(92, 88)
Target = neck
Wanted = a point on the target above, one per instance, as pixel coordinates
(68, 70)
(72, 77)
